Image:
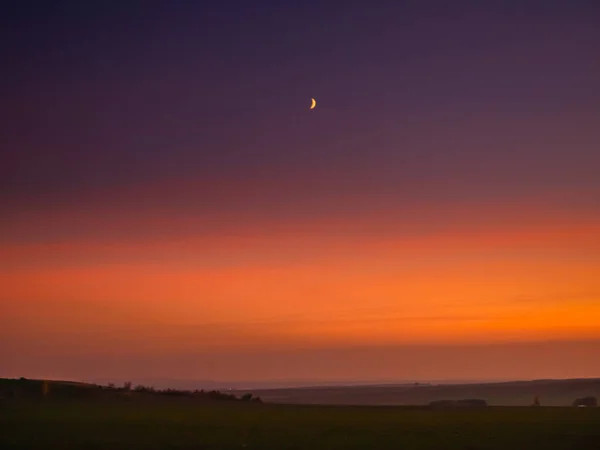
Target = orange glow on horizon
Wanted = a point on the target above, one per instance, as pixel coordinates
(280, 285)
(497, 284)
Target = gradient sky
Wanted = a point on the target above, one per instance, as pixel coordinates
(170, 207)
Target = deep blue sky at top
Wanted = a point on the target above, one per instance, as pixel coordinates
(461, 99)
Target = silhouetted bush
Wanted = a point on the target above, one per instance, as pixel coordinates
(144, 389)
(586, 401)
(176, 392)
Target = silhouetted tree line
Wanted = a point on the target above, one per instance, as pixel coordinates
(211, 395)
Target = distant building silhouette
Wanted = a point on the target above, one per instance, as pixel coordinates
(586, 402)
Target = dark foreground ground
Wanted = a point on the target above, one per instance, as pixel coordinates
(181, 424)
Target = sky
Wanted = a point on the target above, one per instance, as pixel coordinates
(172, 208)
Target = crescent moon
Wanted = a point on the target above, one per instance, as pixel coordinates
(313, 103)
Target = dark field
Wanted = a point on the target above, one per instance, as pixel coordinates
(140, 423)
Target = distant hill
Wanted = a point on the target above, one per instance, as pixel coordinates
(177, 383)
(515, 393)
(22, 388)
(26, 388)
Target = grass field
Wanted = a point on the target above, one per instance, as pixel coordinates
(181, 424)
